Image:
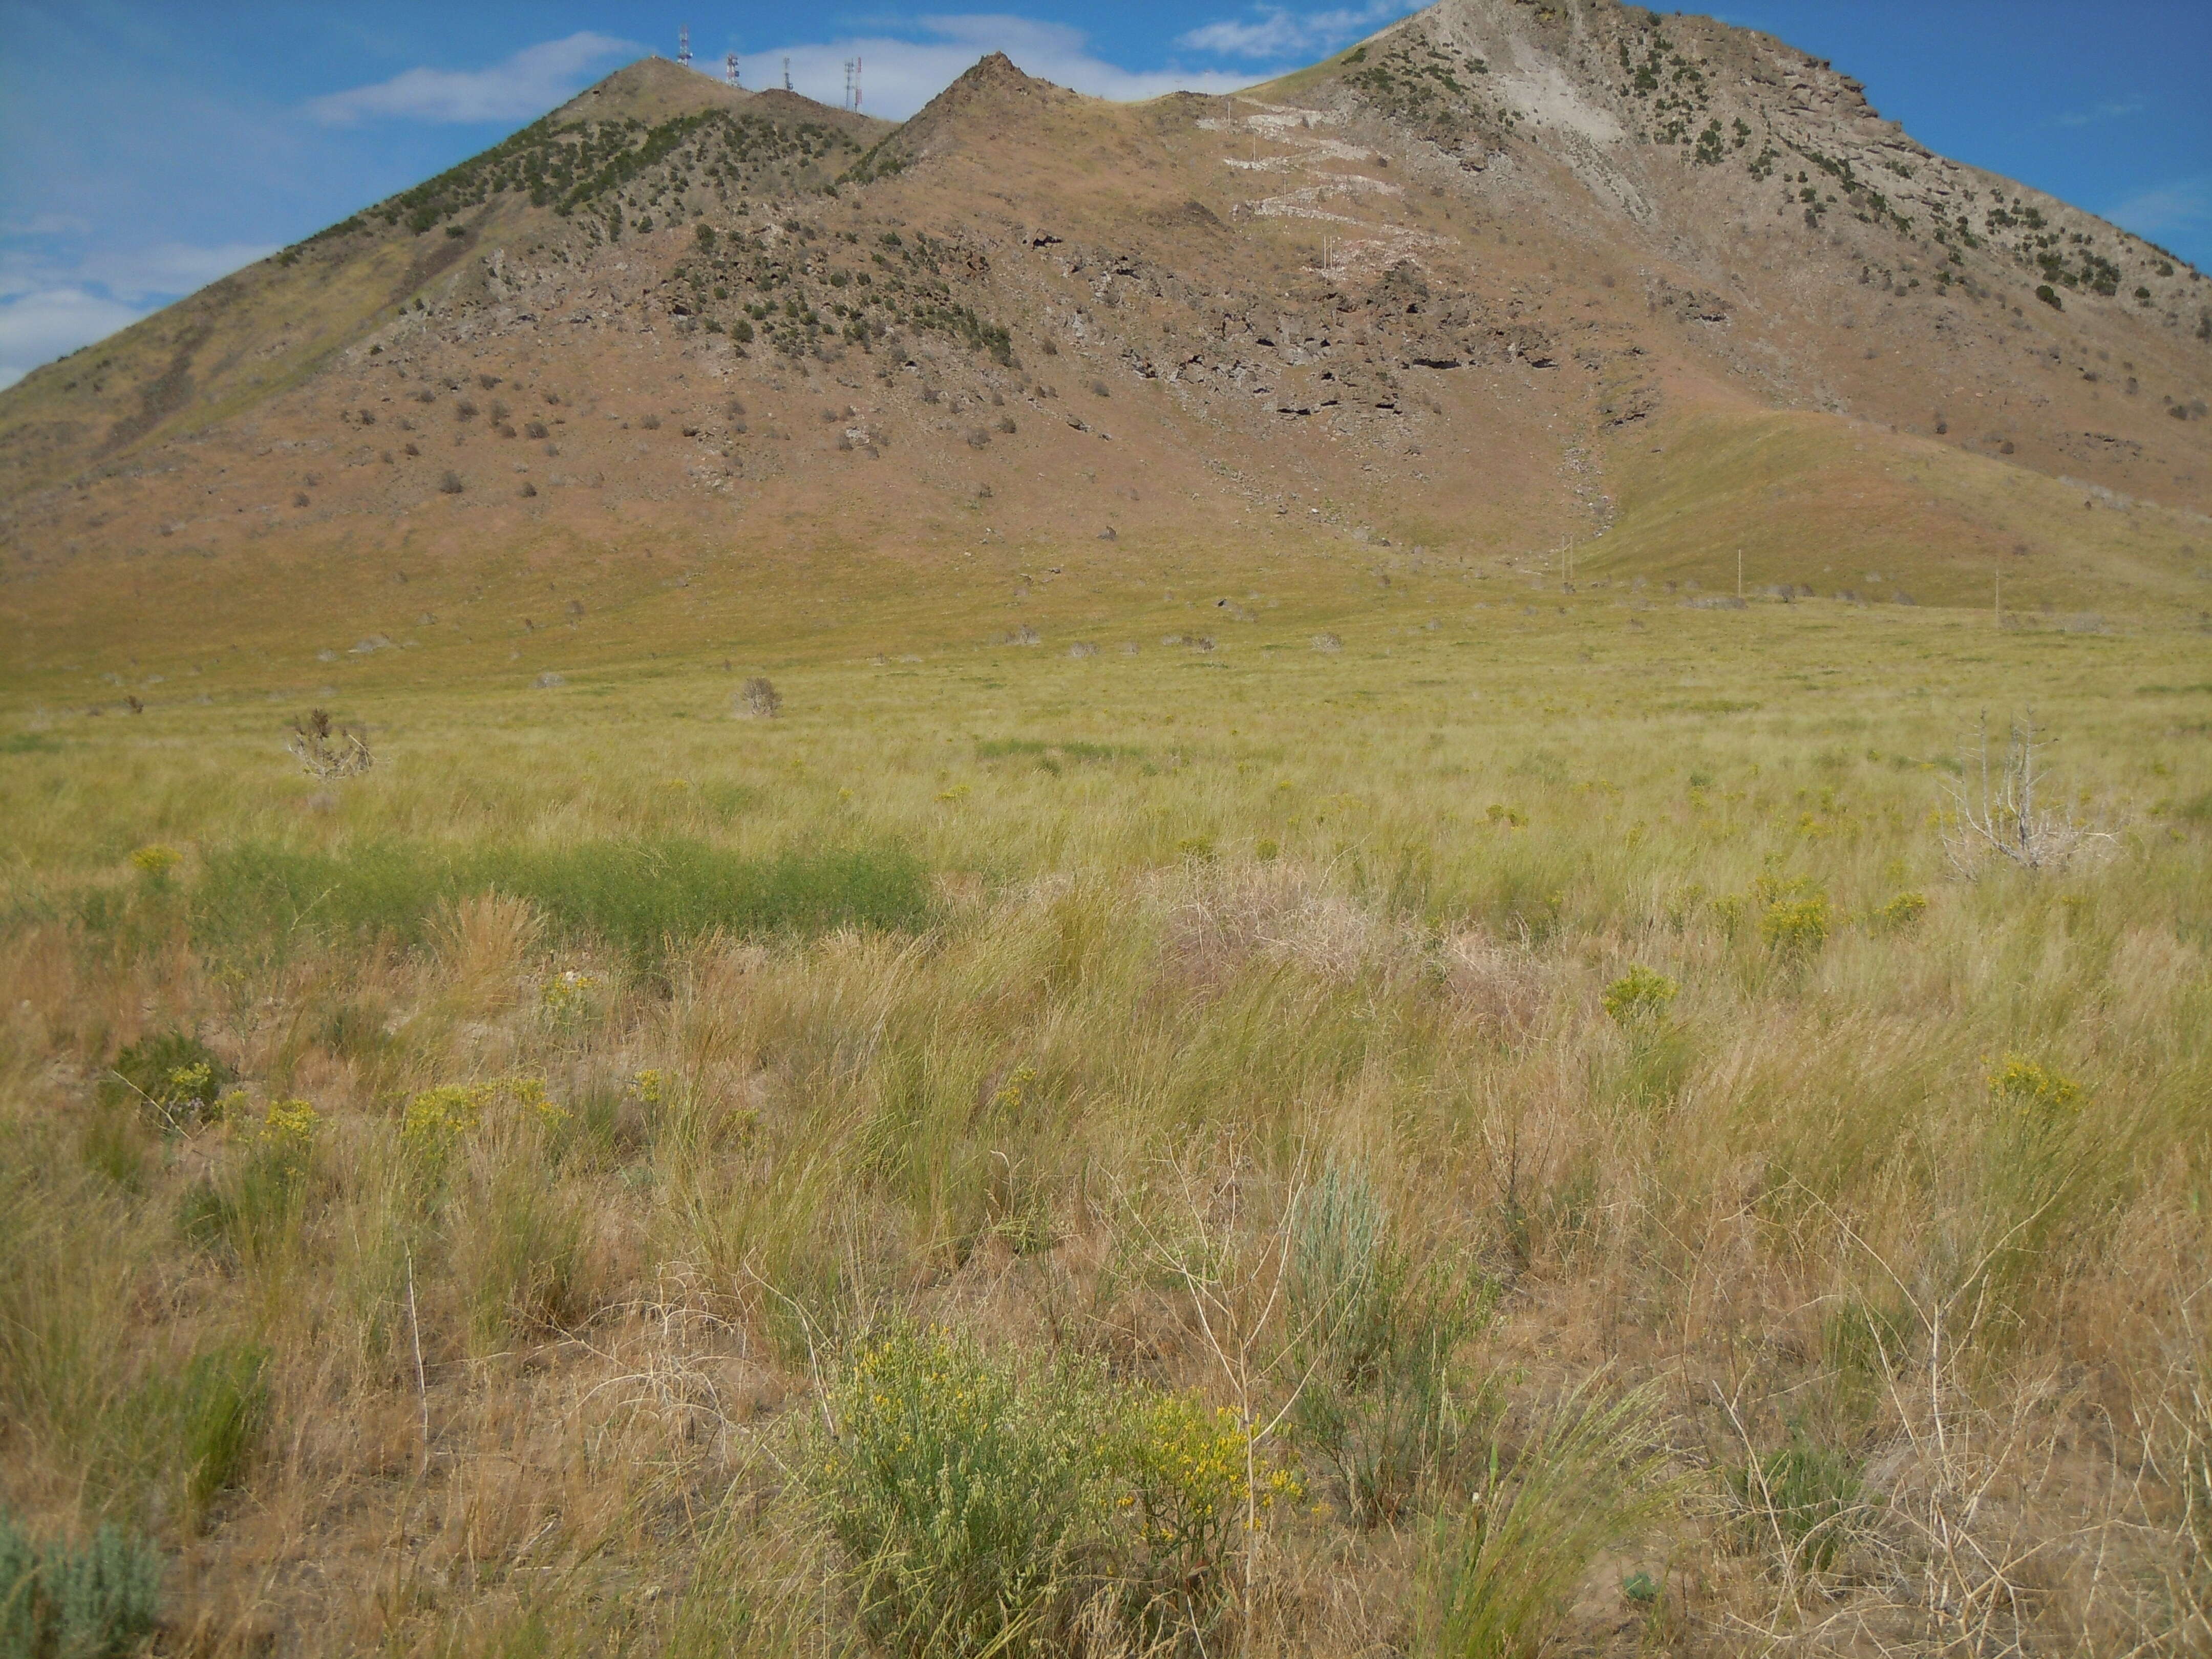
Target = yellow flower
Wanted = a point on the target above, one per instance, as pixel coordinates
(157, 860)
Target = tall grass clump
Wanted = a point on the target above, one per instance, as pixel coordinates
(1502, 1567)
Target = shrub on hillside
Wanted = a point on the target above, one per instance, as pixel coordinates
(99, 1602)
(759, 700)
(1640, 997)
(1379, 1333)
(172, 1074)
(1796, 918)
(985, 1506)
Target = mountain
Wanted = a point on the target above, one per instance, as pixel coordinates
(1506, 285)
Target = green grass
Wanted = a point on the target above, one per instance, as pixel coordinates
(643, 898)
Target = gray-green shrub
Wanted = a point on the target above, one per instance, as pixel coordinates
(93, 1602)
(1376, 1333)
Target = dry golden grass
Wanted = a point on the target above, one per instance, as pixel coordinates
(544, 1301)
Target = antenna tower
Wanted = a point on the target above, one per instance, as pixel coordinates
(787, 74)
(849, 83)
(730, 69)
(683, 45)
(856, 83)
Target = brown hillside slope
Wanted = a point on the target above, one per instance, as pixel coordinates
(1502, 280)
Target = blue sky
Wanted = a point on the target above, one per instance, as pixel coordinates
(148, 149)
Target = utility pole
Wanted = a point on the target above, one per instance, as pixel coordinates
(1739, 572)
(1997, 607)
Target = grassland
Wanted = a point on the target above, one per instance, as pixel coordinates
(1205, 1098)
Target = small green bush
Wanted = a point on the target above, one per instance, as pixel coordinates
(170, 1074)
(19, 1589)
(1796, 917)
(1805, 1495)
(1640, 997)
(2049, 295)
(97, 1602)
(981, 1504)
(968, 1500)
(1900, 912)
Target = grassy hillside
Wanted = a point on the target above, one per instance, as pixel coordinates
(1838, 506)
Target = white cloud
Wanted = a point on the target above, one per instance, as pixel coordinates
(46, 224)
(2089, 118)
(899, 76)
(2181, 205)
(521, 87)
(1275, 32)
(37, 327)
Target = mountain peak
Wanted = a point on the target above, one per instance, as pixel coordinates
(992, 88)
(651, 90)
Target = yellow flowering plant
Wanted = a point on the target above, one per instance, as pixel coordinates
(979, 1503)
(437, 1120)
(2033, 1091)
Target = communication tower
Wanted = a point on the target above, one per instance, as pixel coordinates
(730, 69)
(856, 83)
(849, 83)
(787, 74)
(683, 45)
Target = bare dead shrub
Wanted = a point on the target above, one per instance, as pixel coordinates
(328, 751)
(759, 700)
(1994, 813)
